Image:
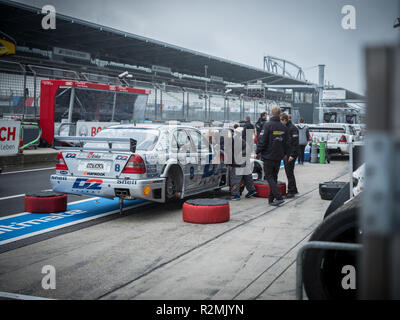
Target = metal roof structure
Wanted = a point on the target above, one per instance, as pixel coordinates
(23, 23)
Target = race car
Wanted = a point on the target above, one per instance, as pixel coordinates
(156, 163)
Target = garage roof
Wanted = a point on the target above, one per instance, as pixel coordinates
(23, 23)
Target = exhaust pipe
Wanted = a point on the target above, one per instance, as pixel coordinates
(122, 193)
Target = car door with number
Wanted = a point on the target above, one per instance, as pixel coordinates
(205, 173)
(182, 148)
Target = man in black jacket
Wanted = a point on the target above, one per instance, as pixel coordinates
(293, 152)
(272, 145)
(260, 122)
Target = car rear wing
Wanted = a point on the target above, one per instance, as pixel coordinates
(79, 143)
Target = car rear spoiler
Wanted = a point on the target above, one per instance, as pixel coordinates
(82, 140)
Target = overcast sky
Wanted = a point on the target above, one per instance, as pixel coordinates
(306, 32)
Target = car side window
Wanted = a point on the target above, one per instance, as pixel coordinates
(200, 142)
(180, 138)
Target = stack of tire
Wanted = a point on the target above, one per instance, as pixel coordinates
(45, 202)
(263, 189)
(206, 211)
(323, 269)
(328, 190)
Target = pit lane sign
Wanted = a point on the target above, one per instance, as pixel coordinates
(9, 137)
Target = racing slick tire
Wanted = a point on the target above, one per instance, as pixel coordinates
(262, 188)
(328, 190)
(341, 197)
(45, 202)
(322, 269)
(206, 211)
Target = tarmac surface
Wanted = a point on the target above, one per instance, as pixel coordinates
(151, 253)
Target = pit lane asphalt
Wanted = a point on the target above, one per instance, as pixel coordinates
(15, 184)
(153, 254)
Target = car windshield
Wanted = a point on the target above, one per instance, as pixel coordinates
(145, 138)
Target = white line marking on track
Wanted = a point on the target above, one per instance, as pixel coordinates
(28, 235)
(17, 296)
(20, 195)
(22, 213)
(31, 170)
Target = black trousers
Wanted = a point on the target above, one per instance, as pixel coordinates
(301, 153)
(271, 170)
(289, 169)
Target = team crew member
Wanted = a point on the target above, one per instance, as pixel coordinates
(272, 145)
(304, 137)
(260, 122)
(241, 170)
(293, 138)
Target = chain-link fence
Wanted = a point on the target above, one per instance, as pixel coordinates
(20, 96)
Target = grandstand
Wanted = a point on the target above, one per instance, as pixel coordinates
(185, 84)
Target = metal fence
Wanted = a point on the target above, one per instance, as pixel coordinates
(20, 96)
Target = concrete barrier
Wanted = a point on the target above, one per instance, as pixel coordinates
(45, 156)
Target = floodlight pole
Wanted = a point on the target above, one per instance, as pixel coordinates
(321, 76)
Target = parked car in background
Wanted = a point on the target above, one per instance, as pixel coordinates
(360, 130)
(336, 135)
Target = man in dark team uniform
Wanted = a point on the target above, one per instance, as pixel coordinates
(272, 145)
(293, 152)
(260, 122)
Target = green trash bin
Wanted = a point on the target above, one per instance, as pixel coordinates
(322, 154)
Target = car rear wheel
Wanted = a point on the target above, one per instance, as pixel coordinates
(173, 185)
(171, 188)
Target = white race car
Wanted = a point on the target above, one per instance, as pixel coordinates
(156, 163)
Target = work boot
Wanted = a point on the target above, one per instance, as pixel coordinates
(251, 194)
(276, 203)
(290, 195)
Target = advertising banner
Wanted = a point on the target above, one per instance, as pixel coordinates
(9, 137)
(91, 128)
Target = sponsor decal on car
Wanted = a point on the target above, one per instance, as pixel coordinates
(97, 165)
(88, 184)
(70, 156)
(94, 166)
(92, 155)
(119, 157)
(146, 190)
(94, 174)
(58, 178)
(126, 181)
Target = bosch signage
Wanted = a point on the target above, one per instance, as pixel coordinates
(90, 129)
(9, 137)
